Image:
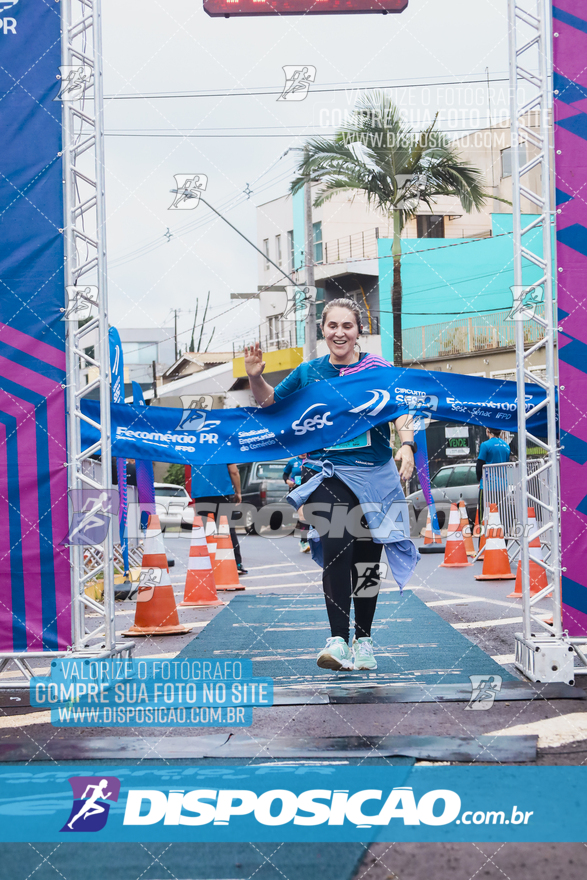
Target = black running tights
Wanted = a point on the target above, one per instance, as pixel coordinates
(340, 557)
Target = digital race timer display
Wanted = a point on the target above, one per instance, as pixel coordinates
(301, 7)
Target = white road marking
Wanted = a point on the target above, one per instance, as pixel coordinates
(504, 658)
(276, 565)
(501, 621)
(24, 720)
(512, 604)
(557, 731)
(286, 586)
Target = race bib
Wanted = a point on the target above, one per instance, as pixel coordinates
(356, 443)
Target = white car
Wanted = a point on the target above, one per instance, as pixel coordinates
(170, 503)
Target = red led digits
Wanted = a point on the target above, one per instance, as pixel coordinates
(301, 7)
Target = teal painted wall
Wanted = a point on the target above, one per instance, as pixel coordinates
(444, 280)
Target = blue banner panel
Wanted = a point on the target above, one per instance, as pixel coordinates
(319, 416)
(303, 803)
(34, 567)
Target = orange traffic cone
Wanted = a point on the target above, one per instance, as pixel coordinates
(225, 570)
(156, 613)
(538, 577)
(482, 532)
(479, 532)
(211, 537)
(432, 543)
(429, 537)
(200, 588)
(496, 564)
(466, 529)
(455, 555)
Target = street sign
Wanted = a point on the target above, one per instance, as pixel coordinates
(227, 8)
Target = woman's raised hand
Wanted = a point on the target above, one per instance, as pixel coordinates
(254, 363)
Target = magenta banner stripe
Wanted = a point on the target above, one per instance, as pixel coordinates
(57, 451)
(30, 345)
(26, 442)
(575, 49)
(6, 643)
(56, 443)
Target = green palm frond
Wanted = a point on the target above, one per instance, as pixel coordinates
(374, 148)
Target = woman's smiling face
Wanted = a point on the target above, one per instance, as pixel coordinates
(340, 332)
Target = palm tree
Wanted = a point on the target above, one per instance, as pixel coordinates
(397, 168)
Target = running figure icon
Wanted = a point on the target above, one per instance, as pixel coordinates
(93, 797)
(297, 82)
(90, 807)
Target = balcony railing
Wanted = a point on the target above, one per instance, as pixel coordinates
(466, 336)
(359, 246)
(268, 343)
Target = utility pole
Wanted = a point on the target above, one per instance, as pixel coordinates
(154, 366)
(175, 311)
(311, 319)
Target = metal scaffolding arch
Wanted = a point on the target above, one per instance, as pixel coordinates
(543, 651)
(87, 345)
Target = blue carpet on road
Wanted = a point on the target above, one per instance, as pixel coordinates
(283, 634)
(182, 861)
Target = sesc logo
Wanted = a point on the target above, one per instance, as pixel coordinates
(374, 406)
(7, 4)
(317, 420)
(90, 802)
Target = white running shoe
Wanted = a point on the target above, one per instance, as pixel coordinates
(363, 654)
(336, 655)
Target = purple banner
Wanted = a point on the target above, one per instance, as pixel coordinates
(570, 114)
(35, 592)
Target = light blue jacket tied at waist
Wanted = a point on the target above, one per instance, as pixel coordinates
(380, 495)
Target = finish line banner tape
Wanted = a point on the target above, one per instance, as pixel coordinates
(319, 416)
(148, 692)
(303, 803)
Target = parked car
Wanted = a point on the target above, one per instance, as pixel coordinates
(448, 485)
(262, 483)
(170, 502)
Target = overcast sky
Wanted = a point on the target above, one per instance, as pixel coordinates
(173, 46)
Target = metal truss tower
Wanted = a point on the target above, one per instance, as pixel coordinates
(543, 653)
(87, 345)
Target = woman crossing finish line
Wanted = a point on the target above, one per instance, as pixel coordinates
(359, 474)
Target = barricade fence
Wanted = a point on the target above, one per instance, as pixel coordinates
(502, 486)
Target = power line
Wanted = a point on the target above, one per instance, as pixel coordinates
(267, 90)
(236, 199)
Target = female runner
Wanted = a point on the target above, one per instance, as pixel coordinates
(355, 472)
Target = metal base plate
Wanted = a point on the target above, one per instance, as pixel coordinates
(485, 749)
